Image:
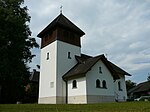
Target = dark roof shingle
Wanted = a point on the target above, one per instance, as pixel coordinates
(62, 21)
(118, 70)
(82, 67)
(85, 63)
(144, 86)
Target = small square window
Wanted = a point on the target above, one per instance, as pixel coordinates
(51, 84)
(100, 69)
(47, 56)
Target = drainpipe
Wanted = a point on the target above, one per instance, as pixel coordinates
(66, 91)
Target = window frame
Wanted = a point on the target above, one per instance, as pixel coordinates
(69, 55)
(98, 83)
(51, 84)
(47, 56)
(104, 84)
(74, 84)
(100, 70)
(119, 86)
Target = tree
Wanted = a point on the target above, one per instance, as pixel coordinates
(130, 84)
(15, 50)
(148, 78)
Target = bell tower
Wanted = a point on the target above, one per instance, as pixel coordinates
(60, 42)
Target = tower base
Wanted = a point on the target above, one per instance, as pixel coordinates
(52, 100)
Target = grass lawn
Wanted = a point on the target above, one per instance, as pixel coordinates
(102, 107)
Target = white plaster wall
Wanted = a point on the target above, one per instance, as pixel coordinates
(81, 87)
(48, 71)
(64, 64)
(53, 69)
(120, 95)
(94, 74)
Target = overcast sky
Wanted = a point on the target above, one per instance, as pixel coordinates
(119, 29)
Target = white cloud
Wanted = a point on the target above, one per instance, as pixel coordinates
(119, 28)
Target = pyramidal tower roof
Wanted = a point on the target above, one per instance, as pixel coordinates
(61, 21)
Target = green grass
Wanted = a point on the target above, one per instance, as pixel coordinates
(102, 107)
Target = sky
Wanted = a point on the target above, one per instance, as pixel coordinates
(120, 29)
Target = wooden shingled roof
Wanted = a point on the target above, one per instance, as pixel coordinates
(85, 63)
(118, 69)
(61, 21)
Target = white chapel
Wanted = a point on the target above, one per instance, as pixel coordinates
(69, 77)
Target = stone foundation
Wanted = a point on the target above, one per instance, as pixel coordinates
(77, 99)
(52, 100)
(83, 99)
(100, 98)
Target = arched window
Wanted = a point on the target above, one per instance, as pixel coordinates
(104, 84)
(98, 85)
(119, 86)
(74, 84)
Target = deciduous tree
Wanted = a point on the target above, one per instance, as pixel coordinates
(130, 84)
(15, 49)
(148, 78)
